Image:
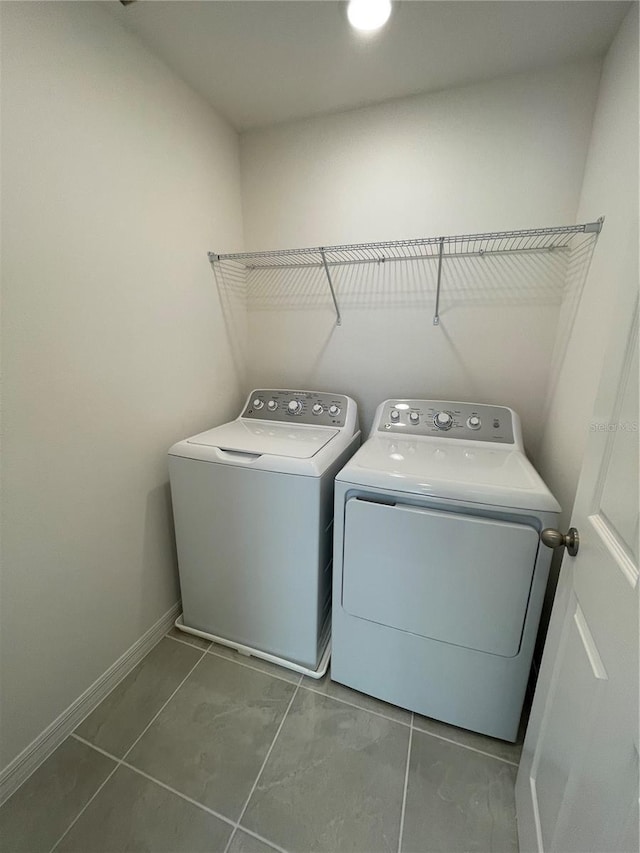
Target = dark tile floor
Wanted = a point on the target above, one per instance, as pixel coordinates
(202, 749)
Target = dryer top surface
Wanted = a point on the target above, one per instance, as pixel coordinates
(469, 471)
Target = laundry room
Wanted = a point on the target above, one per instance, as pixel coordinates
(278, 284)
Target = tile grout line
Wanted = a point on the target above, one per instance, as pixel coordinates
(97, 748)
(262, 838)
(121, 760)
(466, 746)
(357, 707)
(254, 668)
(156, 715)
(210, 651)
(406, 785)
(123, 763)
(182, 796)
(85, 807)
(186, 642)
(266, 758)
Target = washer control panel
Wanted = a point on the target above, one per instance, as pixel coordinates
(306, 407)
(469, 421)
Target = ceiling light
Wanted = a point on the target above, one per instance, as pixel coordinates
(368, 15)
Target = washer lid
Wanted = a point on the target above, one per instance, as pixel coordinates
(241, 436)
(447, 469)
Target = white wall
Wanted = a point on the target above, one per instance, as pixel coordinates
(499, 155)
(610, 188)
(116, 180)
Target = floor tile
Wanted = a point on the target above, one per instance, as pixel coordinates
(458, 800)
(198, 642)
(35, 817)
(245, 843)
(256, 663)
(132, 813)
(211, 739)
(499, 748)
(361, 700)
(123, 715)
(334, 780)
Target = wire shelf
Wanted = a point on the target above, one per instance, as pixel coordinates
(427, 248)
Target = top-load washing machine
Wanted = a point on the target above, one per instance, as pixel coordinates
(253, 511)
(439, 572)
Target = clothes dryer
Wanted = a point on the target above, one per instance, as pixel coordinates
(439, 572)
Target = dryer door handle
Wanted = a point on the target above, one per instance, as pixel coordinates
(236, 456)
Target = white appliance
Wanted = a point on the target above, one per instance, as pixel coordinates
(439, 574)
(253, 511)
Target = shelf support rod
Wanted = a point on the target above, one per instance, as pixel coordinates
(333, 293)
(436, 316)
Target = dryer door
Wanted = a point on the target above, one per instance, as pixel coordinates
(456, 578)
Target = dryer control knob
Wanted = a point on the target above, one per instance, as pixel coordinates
(257, 403)
(443, 420)
(334, 410)
(294, 407)
(414, 417)
(317, 409)
(395, 415)
(474, 422)
(272, 405)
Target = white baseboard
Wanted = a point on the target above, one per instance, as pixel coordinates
(23, 765)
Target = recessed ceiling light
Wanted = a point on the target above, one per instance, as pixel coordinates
(368, 15)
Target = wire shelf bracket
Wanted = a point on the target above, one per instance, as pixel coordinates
(426, 248)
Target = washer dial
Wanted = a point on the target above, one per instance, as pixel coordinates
(334, 410)
(474, 422)
(443, 420)
(414, 417)
(317, 409)
(294, 407)
(272, 405)
(258, 403)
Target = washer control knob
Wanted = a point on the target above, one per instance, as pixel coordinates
(334, 410)
(474, 422)
(414, 417)
(258, 403)
(272, 405)
(443, 420)
(294, 407)
(395, 415)
(317, 409)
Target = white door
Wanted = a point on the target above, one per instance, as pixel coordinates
(577, 786)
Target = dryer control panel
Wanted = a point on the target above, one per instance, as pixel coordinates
(468, 421)
(307, 407)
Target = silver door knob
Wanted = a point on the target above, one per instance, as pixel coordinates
(554, 539)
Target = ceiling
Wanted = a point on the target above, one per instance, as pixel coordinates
(262, 62)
